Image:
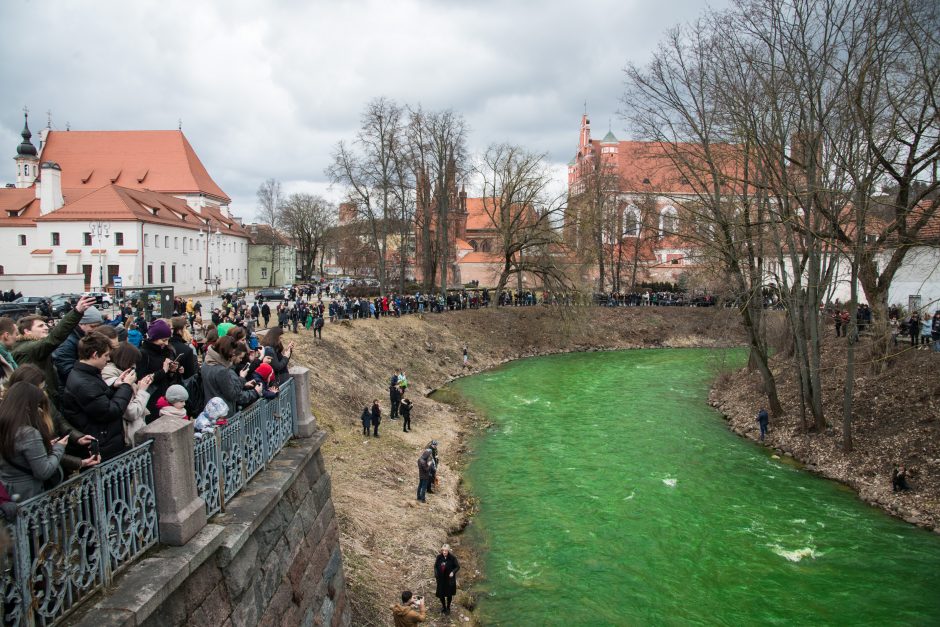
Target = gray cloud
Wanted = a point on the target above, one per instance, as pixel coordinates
(267, 89)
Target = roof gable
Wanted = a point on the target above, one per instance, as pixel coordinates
(162, 161)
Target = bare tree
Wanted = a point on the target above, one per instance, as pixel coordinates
(519, 203)
(308, 219)
(367, 169)
(438, 151)
(270, 199)
(594, 208)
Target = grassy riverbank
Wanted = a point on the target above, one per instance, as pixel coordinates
(388, 541)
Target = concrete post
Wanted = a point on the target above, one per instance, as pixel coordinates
(182, 512)
(304, 421)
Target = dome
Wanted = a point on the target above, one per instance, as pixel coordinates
(26, 148)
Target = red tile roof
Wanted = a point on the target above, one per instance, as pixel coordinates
(162, 161)
(117, 203)
(481, 257)
(42, 251)
(128, 251)
(73, 251)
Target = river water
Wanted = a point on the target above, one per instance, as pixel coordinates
(612, 494)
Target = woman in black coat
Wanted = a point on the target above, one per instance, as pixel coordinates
(445, 572)
(280, 356)
(157, 357)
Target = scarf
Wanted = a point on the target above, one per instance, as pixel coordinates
(7, 356)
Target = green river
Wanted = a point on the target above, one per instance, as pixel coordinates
(612, 494)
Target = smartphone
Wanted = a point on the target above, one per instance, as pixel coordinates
(94, 448)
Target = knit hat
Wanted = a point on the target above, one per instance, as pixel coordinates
(176, 394)
(265, 371)
(91, 316)
(216, 408)
(158, 330)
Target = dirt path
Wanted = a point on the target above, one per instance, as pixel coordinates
(389, 540)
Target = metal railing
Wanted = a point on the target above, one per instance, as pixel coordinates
(227, 459)
(71, 541)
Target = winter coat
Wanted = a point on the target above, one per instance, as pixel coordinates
(65, 356)
(30, 452)
(135, 416)
(266, 391)
(926, 326)
(39, 352)
(188, 360)
(366, 417)
(376, 415)
(425, 462)
(95, 408)
(151, 361)
(279, 363)
(405, 615)
(443, 567)
(218, 379)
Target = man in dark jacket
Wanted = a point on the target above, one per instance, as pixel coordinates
(37, 343)
(265, 313)
(394, 398)
(90, 404)
(66, 355)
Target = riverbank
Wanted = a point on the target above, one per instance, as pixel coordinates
(896, 421)
(388, 540)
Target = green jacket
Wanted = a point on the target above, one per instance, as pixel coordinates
(39, 352)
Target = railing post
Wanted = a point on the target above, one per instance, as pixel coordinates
(305, 425)
(181, 511)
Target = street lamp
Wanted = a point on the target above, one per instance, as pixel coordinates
(100, 231)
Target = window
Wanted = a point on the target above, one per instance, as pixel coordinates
(118, 238)
(264, 272)
(55, 239)
(166, 241)
(176, 243)
(61, 269)
(200, 273)
(669, 220)
(173, 273)
(146, 240)
(86, 239)
(162, 273)
(22, 239)
(156, 241)
(631, 221)
(150, 274)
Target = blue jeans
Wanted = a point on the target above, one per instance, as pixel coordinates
(422, 488)
(763, 430)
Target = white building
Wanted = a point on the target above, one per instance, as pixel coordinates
(138, 205)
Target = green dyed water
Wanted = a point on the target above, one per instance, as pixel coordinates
(611, 494)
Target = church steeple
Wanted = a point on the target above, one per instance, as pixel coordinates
(26, 147)
(27, 157)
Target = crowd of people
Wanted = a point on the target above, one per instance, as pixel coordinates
(76, 393)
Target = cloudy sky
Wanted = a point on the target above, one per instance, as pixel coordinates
(266, 89)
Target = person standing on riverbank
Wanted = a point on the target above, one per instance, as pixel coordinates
(366, 419)
(425, 468)
(405, 411)
(376, 417)
(762, 419)
(466, 357)
(445, 572)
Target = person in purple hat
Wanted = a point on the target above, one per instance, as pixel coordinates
(158, 358)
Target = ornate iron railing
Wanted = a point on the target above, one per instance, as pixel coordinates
(229, 458)
(72, 540)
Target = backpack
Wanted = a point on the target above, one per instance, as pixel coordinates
(197, 394)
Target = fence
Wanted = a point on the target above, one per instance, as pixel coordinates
(71, 541)
(227, 460)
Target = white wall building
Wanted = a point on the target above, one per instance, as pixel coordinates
(132, 204)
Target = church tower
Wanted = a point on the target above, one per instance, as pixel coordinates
(27, 157)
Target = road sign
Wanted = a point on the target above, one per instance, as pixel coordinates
(117, 281)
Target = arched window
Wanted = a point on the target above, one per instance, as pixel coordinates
(631, 221)
(473, 244)
(668, 220)
(485, 246)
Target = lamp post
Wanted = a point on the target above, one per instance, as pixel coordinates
(100, 231)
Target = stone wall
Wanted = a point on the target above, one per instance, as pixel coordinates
(272, 558)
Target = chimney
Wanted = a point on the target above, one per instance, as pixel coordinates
(50, 187)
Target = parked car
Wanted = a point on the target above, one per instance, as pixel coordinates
(58, 303)
(236, 292)
(30, 300)
(101, 298)
(270, 293)
(17, 310)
